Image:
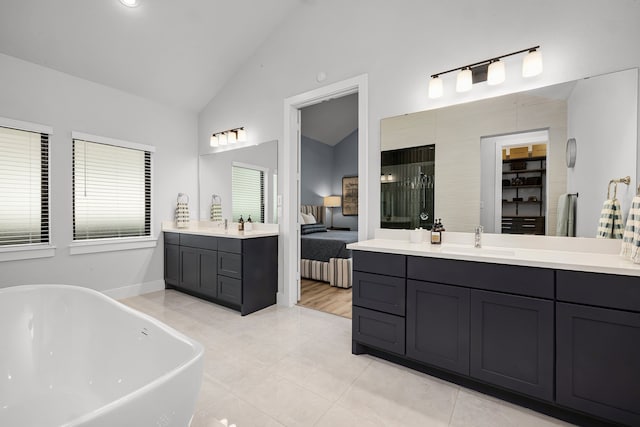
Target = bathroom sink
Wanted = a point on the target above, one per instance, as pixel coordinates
(470, 250)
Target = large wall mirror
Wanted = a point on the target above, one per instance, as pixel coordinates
(242, 181)
(480, 148)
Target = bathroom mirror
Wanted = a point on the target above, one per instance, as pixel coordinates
(252, 170)
(601, 113)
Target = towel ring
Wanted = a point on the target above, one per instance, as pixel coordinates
(615, 189)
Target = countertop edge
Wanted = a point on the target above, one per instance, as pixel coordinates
(525, 257)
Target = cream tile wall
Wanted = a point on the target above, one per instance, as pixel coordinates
(456, 131)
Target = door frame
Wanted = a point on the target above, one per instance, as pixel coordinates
(288, 295)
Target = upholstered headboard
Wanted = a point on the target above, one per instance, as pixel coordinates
(318, 211)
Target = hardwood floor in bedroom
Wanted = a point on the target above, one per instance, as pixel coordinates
(330, 299)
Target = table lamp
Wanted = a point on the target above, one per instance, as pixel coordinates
(332, 202)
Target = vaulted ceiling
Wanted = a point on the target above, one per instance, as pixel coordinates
(176, 52)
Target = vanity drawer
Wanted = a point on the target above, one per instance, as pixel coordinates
(378, 292)
(200, 242)
(172, 238)
(230, 265)
(604, 290)
(380, 330)
(229, 290)
(379, 263)
(529, 281)
(230, 245)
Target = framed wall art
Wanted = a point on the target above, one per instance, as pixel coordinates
(350, 195)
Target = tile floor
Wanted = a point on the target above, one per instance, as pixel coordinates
(294, 367)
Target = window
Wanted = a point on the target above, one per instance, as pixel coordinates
(111, 189)
(24, 184)
(247, 193)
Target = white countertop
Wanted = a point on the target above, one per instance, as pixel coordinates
(606, 261)
(207, 228)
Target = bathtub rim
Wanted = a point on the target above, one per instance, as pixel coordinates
(196, 357)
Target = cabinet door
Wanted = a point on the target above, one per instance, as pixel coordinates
(598, 361)
(209, 272)
(438, 325)
(198, 269)
(512, 342)
(189, 268)
(171, 264)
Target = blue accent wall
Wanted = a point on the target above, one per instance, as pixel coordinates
(322, 170)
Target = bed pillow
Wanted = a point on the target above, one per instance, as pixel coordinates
(300, 218)
(313, 228)
(308, 218)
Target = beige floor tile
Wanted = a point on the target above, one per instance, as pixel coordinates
(396, 396)
(288, 403)
(337, 416)
(478, 410)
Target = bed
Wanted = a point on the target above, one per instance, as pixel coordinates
(324, 255)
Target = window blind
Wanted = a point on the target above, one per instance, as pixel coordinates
(24, 187)
(111, 191)
(247, 194)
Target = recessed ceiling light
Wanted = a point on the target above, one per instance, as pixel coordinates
(129, 3)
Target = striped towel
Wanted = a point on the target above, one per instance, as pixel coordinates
(631, 238)
(610, 225)
(216, 212)
(182, 215)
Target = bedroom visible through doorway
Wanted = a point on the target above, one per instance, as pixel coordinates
(328, 203)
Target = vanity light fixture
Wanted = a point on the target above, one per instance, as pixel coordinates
(230, 136)
(490, 70)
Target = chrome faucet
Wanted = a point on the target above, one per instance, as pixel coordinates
(478, 236)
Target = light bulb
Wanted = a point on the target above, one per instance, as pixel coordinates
(232, 137)
(435, 87)
(496, 73)
(532, 64)
(214, 140)
(129, 3)
(464, 80)
(242, 135)
(222, 138)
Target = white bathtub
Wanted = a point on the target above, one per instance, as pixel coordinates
(70, 356)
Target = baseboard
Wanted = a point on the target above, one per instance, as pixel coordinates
(135, 290)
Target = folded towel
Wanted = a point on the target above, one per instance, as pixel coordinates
(610, 225)
(182, 215)
(631, 237)
(566, 224)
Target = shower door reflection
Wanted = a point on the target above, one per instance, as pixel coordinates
(407, 188)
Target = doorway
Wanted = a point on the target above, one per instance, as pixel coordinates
(514, 190)
(289, 291)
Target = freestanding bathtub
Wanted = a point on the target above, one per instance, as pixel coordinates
(71, 356)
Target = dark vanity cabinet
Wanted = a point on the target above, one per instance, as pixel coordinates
(239, 273)
(598, 345)
(566, 341)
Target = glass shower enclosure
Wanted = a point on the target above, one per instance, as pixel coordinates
(407, 188)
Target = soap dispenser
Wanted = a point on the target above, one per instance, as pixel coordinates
(241, 224)
(436, 232)
(248, 225)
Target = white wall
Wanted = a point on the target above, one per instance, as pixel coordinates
(33, 93)
(613, 96)
(400, 43)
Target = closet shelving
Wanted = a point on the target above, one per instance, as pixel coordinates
(519, 214)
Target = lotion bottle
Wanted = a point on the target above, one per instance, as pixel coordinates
(436, 233)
